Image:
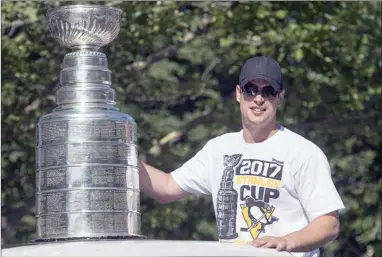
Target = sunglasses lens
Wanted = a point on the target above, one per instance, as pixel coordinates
(250, 90)
(269, 91)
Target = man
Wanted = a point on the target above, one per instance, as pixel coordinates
(270, 186)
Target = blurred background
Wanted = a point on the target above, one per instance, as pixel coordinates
(175, 66)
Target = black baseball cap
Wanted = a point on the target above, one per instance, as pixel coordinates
(262, 67)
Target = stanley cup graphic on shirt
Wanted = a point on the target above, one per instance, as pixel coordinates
(227, 200)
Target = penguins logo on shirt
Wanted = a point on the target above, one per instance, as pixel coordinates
(257, 214)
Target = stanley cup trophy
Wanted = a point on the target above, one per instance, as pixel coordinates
(87, 181)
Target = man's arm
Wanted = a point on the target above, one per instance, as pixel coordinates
(319, 232)
(159, 185)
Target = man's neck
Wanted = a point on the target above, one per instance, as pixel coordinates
(258, 134)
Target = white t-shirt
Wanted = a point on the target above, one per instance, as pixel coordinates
(271, 188)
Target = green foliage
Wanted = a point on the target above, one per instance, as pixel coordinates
(175, 66)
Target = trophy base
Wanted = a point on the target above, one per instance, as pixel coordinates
(87, 238)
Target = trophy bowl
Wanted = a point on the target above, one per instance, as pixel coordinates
(84, 26)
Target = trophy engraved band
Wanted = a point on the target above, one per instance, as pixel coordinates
(87, 181)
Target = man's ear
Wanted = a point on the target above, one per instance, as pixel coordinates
(238, 93)
(280, 97)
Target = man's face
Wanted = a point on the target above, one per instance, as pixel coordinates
(258, 109)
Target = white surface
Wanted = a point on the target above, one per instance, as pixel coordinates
(140, 248)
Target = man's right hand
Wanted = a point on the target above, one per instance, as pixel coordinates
(159, 185)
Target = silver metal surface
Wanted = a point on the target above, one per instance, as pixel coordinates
(84, 26)
(87, 181)
(79, 225)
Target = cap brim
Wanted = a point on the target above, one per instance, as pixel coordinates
(271, 81)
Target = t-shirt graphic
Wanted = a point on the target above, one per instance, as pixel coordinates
(257, 182)
(262, 217)
(227, 200)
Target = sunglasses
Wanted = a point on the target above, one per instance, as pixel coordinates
(253, 90)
